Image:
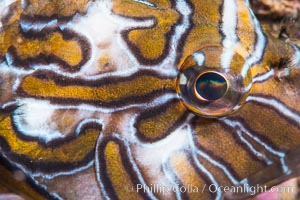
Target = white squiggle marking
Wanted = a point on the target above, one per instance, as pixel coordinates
(276, 105)
(199, 57)
(171, 177)
(85, 121)
(41, 129)
(183, 79)
(280, 154)
(137, 171)
(252, 148)
(37, 26)
(75, 171)
(124, 73)
(56, 174)
(35, 124)
(85, 107)
(177, 138)
(24, 3)
(16, 84)
(222, 167)
(9, 59)
(97, 166)
(168, 64)
(185, 10)
(201, 167)
(123, 45)
(4, 5)
(7, 104)
(29, 175)
(229, 23)
(51, 176)
(5, 68)
(146, 3)
(131, 160)
(88, 26)
(263, 77)
(236, 107)
(56, 196)
(259, 47)
(46, 188)
(218, 165)
(296, 57)
(248, 87)
(158, 154)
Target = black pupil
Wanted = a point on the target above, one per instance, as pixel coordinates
(211, 86)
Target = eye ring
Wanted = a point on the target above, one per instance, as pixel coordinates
(209, 90)
(210, 86)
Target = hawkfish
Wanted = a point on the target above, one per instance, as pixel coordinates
(145, 99)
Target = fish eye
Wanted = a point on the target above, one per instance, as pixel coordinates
(209, 90)
(210, 86)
